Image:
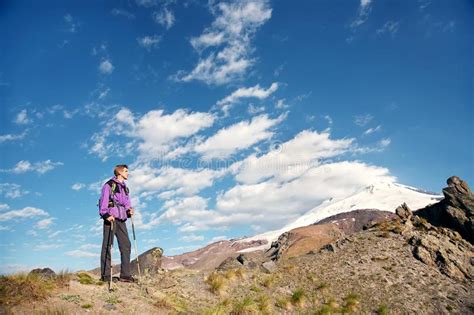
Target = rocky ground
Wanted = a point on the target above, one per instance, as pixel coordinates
(362, 262)
(373, 271)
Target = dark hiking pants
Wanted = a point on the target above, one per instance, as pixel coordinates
(120, 231)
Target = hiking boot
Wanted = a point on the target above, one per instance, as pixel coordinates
(128, 279)
(107, 279)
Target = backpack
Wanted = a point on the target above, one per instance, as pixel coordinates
(114, 189)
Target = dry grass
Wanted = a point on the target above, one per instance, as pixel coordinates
(216, 282)
(244, 307)
(351, 303)
(298, 297)
(283, 303)
(21, 287)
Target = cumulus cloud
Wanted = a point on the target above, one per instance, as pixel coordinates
(12, 191)
(71, 23)
(78, 186)
(390, 27)
(121, 12)
(372, 130)
(363, 13)
(251, 92)
(45, 223)
(239, 136)
(41, 167)
(27, 212)
(149, 42)
(44, 247)
(225, 47)
(106, 67)
(192, 238)
(12, 137)
(22, 118)
(292, 158)
(363, 120)
(155, 133)
(165, 18)
(82, 254)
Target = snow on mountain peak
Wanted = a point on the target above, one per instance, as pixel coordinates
(381, 196)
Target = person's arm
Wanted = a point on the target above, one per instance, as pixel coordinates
(104, 203)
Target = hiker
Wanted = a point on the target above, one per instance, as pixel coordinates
(115, 207)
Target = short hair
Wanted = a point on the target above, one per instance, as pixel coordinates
(119, 168)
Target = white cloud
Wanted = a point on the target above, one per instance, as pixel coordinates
(12, 137)
(328, 119)
(362, 13)
(251, 92)
(241, 135)
(89, 246)
(372, 130)
(227, 42)
(106, 67)
(272, 203)
(174, 181)
(280, 104)
(12, 191)
(252, 109)
(390, 27)
(4, 206)
(146, 3)
(121, 12)
(292, 158)
(82, 254)
(39, 167)
(154, 134)
(149, 42)
(43, 247)
(385, 142)
(45, 223)
(363, 120)
(27, 212)
(78, 186)
(165, 18)
(22, 118)
(192, 238)
(379, 147)
(72, 25)
(5, 228)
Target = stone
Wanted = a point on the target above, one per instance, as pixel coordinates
(269, 266)
(404, 212)
(455, 211)
(45, 272)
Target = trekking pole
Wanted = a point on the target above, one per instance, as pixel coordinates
(136, 251)
(111, 248)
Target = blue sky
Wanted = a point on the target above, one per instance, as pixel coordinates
(235, 117)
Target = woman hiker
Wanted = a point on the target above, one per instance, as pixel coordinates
(115, 208)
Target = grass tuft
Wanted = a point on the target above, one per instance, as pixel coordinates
(244, 307)
(298, 297)
(216, 282)
(382, 310)
(22, 287)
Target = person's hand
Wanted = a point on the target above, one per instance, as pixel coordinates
(111, 218)
(131, 211)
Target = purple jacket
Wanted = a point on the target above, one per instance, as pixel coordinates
(121, 199)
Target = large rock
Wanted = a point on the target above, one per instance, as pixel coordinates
(303, 240)
(356, 220)
(149, 261)
(43, 272)
(455, 211)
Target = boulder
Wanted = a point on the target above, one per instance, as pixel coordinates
(149, 261)
(455, 211)
(45, 272)
(404, 212)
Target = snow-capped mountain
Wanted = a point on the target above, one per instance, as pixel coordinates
(382, 196)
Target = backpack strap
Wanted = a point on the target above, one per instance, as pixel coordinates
(114, 189)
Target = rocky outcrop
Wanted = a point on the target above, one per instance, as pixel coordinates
(455, 211)
(439, 247)
(43, 272)
(302, 240)
(150, 262)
